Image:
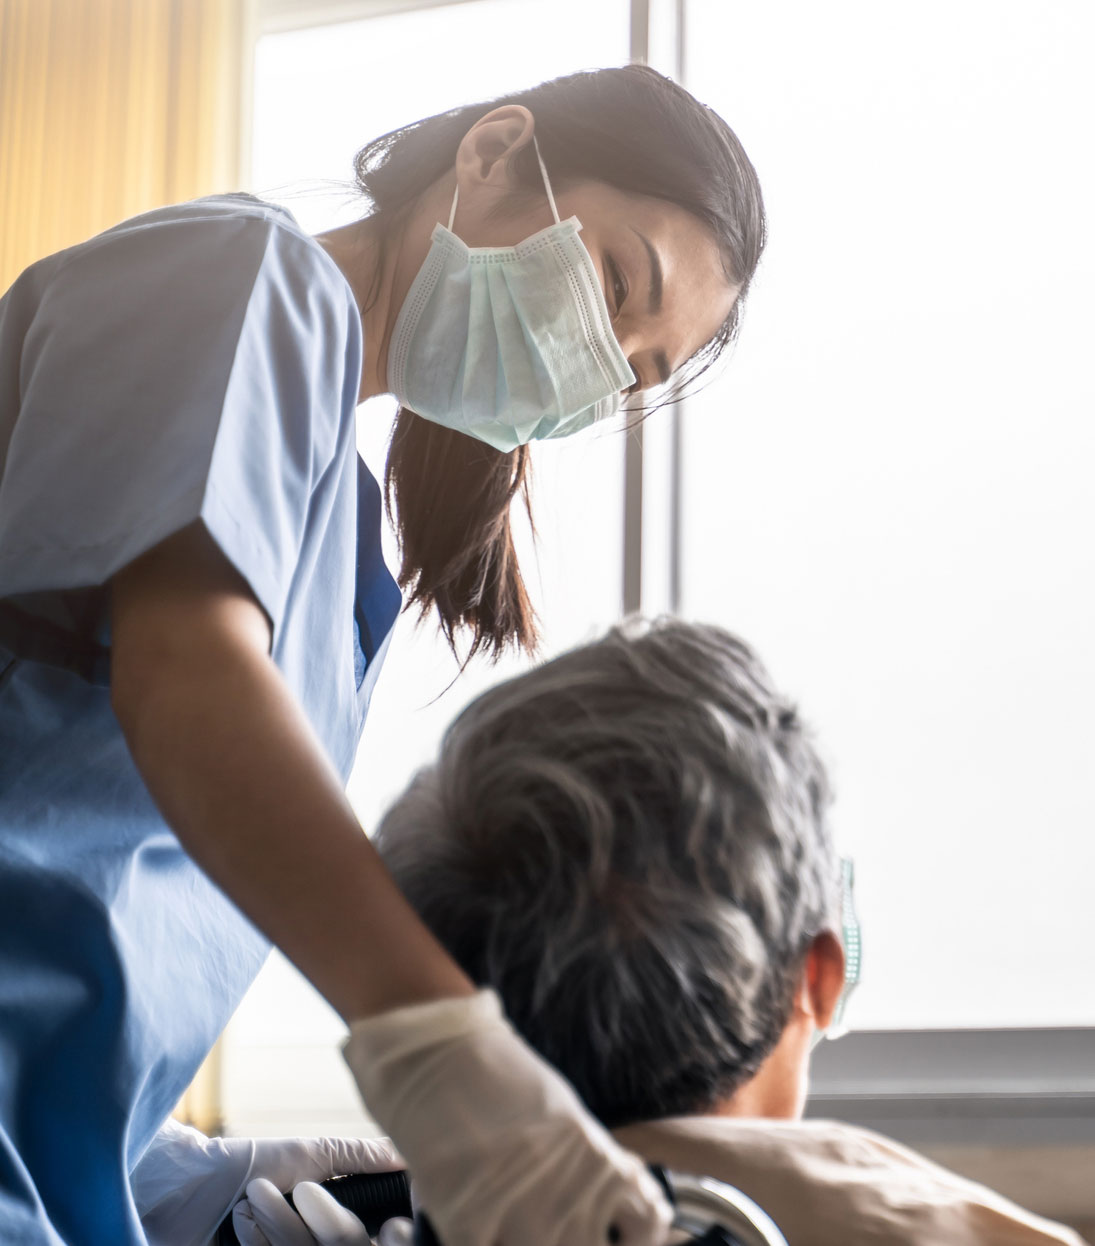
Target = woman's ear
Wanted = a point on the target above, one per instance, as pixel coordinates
(822, 979)
(482, 159)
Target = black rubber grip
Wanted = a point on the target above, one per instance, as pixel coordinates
(372, 1197)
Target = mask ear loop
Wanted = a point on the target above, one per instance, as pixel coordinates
(543, 174)
(547, 184)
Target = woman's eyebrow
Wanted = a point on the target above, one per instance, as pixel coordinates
(656, 278)
(654, 304)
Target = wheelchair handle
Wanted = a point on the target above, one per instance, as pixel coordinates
(711, 1212)
(372, 1196)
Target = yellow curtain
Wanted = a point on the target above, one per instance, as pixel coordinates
(109, 108)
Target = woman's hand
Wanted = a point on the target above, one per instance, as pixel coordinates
(501, 1149)
(185, 1183)
(264, 1218)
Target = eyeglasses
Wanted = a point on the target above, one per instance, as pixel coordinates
(851, 937)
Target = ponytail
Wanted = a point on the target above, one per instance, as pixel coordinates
(449, 497)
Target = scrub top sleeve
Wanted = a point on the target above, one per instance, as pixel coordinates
(194, 369)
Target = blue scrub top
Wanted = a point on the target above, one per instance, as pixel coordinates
(198, 362)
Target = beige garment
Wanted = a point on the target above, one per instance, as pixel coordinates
(828, 1184)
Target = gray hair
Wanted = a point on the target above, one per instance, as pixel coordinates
(629, 844)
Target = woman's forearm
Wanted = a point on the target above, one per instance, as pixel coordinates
(241, 778)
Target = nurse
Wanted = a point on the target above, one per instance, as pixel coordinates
(194, 610)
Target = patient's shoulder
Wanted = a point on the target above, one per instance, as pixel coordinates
(828, 1183)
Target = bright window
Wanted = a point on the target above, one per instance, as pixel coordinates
(890, 491)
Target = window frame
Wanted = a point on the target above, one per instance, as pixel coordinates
(973, 1087)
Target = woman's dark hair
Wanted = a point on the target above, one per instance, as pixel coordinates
(450, 495)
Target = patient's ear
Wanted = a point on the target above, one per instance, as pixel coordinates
(822, 979)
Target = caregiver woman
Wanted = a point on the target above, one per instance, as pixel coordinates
(194, 608)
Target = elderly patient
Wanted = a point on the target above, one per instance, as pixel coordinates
(630, 845)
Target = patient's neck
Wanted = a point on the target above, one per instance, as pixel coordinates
(777, 1091)
(749, 1103)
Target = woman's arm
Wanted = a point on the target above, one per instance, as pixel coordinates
(240, 777)
(501, 1148)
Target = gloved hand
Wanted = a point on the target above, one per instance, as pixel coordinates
(185, 1183)
(264, 1218)
(502, 1151)
(398, 1231)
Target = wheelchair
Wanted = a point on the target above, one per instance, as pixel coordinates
(706, 1212)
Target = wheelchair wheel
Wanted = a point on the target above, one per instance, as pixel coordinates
(717, 1214)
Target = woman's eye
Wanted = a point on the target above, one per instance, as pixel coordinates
(619, 285)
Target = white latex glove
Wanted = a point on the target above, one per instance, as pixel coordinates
(185, 1183)
(264, 1218)
(398, 1231)
(502, 1151)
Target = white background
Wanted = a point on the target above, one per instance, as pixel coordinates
(890, 491)
(887, 491)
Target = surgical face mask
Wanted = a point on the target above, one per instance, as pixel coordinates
(508, 344)
(851, 936)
